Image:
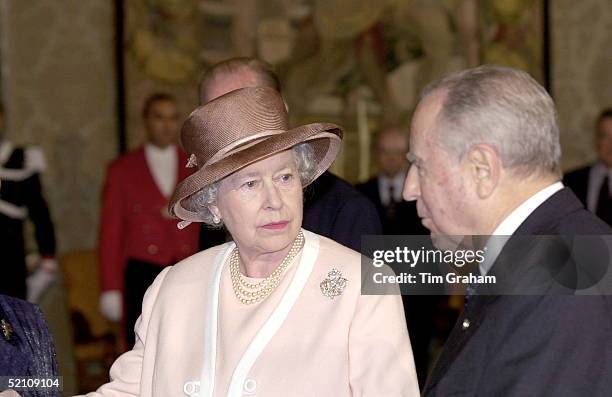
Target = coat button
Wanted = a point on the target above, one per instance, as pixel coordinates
(152, 249)
(250, 385)
(466, 324)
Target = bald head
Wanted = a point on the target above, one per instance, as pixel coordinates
(235, 73)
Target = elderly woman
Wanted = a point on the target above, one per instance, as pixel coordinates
(278, 311)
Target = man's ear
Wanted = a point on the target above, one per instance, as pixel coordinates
(484, 165)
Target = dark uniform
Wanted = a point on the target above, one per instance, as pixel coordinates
(21, 198)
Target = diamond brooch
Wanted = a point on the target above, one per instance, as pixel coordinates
(334, 284)
(192, 161)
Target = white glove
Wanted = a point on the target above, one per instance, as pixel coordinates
(111, 305)
(41, 279)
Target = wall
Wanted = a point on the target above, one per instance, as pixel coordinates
(581, 72)
(60, 90)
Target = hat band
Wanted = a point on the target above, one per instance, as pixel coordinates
(240, 145)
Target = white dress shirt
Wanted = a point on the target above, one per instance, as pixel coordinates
(163, 164)
(597, 174)
(384, 183)
(512, 222)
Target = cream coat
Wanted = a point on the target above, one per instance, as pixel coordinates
(195, 338)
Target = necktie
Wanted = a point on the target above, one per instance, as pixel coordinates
(604, 203)
(469, 292)
(391, 206)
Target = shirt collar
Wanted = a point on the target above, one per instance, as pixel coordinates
(149, 147)
(512, 222)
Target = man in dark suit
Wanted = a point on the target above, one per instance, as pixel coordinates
(385, 189)
(400, 217)
(592, 184)
(486, 161)
(332, 207)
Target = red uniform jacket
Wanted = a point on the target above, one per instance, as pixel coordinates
(134, 221)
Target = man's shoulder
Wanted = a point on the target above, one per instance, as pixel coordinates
(337, 192)
(562, 213)
(582, 222)
(126, 163)
(129, 158)
(369, 187)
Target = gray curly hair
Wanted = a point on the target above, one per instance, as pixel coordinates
(200, 201)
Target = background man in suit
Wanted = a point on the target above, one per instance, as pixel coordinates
(385, 189)
(21, 198)
(593, 183)
(400, 217)
(332, 206)
(138, 237)
(486, 160)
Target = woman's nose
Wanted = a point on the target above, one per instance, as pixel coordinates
(273, 197)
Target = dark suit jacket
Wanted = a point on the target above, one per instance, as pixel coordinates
(406, 220)
(332, 208)
(26, 350)
(335, 209)
(540, 345)
(578, 181)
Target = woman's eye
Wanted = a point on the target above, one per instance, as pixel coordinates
(286, 177)
(250, 184)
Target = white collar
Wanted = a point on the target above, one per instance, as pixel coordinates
(512, 222)
(157, 151)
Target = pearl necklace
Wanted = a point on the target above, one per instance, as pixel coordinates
(249, 293)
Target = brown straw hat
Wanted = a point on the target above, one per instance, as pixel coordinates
(238, 129)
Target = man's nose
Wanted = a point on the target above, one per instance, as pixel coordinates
(411, 190)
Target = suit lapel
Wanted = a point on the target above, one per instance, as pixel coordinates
(538, 222)
(466, 326)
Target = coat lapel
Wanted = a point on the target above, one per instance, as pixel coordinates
(466, 326)
(538, 222)
(267, 331)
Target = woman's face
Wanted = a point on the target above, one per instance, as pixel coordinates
(261, 205)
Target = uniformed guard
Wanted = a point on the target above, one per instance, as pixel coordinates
(21, 198)
(138, 238)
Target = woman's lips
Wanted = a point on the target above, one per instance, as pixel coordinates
(275, 225)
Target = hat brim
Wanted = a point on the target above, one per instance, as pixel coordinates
(325, 139)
